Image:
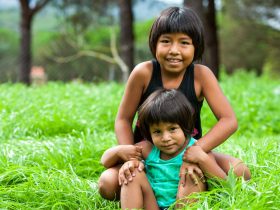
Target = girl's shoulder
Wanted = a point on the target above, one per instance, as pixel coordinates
(204, 78)
(143, 69)
(203, 74)
(141, 75)
(202, 70)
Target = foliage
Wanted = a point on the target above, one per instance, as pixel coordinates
(8, 48)
(248, 35)
(52, 138)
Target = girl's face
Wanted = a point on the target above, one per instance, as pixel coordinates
(169, 138)
(174, 52)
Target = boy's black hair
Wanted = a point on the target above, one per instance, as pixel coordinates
(164, 105)
(178, 20)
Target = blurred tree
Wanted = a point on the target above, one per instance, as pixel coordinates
(249, 35)
(207, 13)
(27, 14)
(126, 33)
(87, 18)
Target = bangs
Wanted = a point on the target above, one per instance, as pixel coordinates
(175, 23)
(159, 114)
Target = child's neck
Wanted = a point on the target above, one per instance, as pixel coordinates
(172, 80)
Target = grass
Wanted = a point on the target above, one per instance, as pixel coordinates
(52, 137)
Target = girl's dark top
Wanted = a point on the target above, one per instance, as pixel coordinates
(186, 87)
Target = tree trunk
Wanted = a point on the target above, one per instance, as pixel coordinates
(25, 58)
(25, 47)
(208, 16)
(126, 33)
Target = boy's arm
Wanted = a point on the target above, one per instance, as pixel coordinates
(120, 154)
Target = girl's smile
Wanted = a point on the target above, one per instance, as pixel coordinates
(174, 51)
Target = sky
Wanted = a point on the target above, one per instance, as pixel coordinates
(13, 3)
(173, 1)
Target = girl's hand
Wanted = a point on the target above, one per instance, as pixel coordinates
(192, 170)
(130, 152)
(194, 154)
(126, 172)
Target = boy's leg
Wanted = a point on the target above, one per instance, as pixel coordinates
(227, 161)
(108, 184)
(138, 193)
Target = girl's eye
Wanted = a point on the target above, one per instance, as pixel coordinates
(164, 41)
(186, 43)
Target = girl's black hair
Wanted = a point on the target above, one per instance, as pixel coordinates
(164, 105)
(178, 20)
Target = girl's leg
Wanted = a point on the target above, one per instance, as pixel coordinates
(138, 193)
(108, 184)
(188, 189)
(226, 162)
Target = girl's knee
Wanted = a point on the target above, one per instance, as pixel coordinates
(108, 186)
(241, 169)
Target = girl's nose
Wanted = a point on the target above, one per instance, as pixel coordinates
(174, 49)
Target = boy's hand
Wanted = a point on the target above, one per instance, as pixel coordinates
(192, 170)
(130, 152)
(126, 172)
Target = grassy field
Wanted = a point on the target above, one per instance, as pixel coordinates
(52, 137)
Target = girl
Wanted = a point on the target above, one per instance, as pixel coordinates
(166, 121)
(176, 41)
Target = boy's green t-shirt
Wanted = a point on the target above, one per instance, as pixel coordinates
(163, 175)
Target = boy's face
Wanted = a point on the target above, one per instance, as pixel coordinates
(174, 52)
(169, 138)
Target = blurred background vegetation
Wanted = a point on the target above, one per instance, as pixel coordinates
(74, 40)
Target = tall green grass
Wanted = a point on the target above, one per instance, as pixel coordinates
(52, 138)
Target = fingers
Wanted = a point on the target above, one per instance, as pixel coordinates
(141, 166)
(183, 173)
(137, 153)
(193, 177)
(122, 178)
(200, 175)
(139, 149)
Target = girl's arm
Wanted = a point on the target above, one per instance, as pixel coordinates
(126, 172)
(120, 154)
(135, 87)
(207, 87)
(205, 161)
